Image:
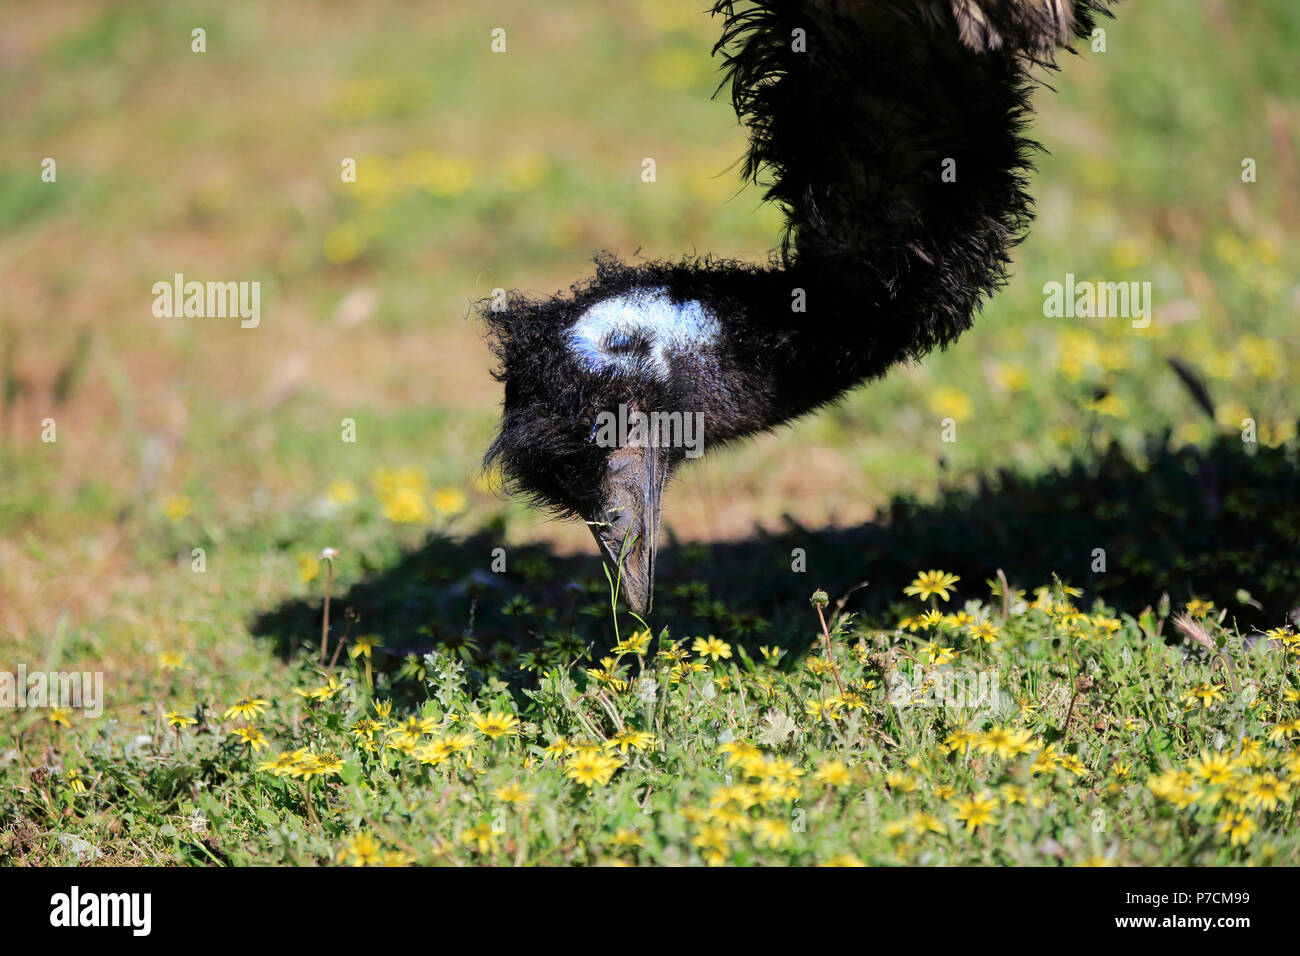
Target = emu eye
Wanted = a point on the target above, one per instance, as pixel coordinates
(624, 343)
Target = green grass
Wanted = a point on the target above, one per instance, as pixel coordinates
(478, 170)
(1016, 730)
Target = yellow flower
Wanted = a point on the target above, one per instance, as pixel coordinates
(413, 728)
(1266, 791)
(247, 708)
(405, 506)
(341, 492)
(773, 833)
(636, 739)
(1251, 753)
(948, 402)
(343, 243)
(324, 692)
(844, 859)
(930, 620)
(440, 749)
(937, 654)
(977, 810)
(1013, 794)
(1176, 786)
(282, 764)
(740, 753)
(1012, 378)
(1073, 764)
(75, 781)
(495, 724)
(61, 716)
(308, 568)
(627, 837)
(832, 773)
(363, 645)
(514, 795)
(310, 765)
(928, 583)
(636, 643)
(1110, 404)
(900, 782)
(255, 739)
(389, 481)
(1078, 351)
(1048, 760)
(712, 647)
(481, 836)
(448, 501)
(776, 791)
(179, 720)
(177, 508)
(1106, 625)
(984, 631)
(590, 768)
(1127, 254)
(362, 850)
(1006, 743)
(1284, 729)
(922, 823)
(712, 840)
(171, 661)
(558, 747)
(1206, 693)
(1238, 827)
(822, 709)
(446, 175)
(960, 741)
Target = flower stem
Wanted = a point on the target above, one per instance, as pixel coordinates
(829, 656)
(325, 620)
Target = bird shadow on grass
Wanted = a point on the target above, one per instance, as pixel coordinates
(1220, 523)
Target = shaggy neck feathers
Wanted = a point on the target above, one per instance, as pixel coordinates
(891, 135)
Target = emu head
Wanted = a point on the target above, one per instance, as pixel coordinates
(605, 394)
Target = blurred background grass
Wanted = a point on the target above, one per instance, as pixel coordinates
(477, 170)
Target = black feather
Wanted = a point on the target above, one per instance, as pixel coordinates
(855, 108)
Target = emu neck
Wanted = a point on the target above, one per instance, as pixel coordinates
(806, 342)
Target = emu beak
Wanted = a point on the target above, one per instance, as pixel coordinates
(628, 531)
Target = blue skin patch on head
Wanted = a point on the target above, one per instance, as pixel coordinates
(603, 337)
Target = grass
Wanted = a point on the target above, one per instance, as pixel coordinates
(1072, 435)
(1012, 729)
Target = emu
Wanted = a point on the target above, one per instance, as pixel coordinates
(891, 134)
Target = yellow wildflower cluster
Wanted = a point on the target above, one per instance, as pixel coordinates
(757, 806)
(362, 849)
(404, 496)
(302, 764)
(1252, 781)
